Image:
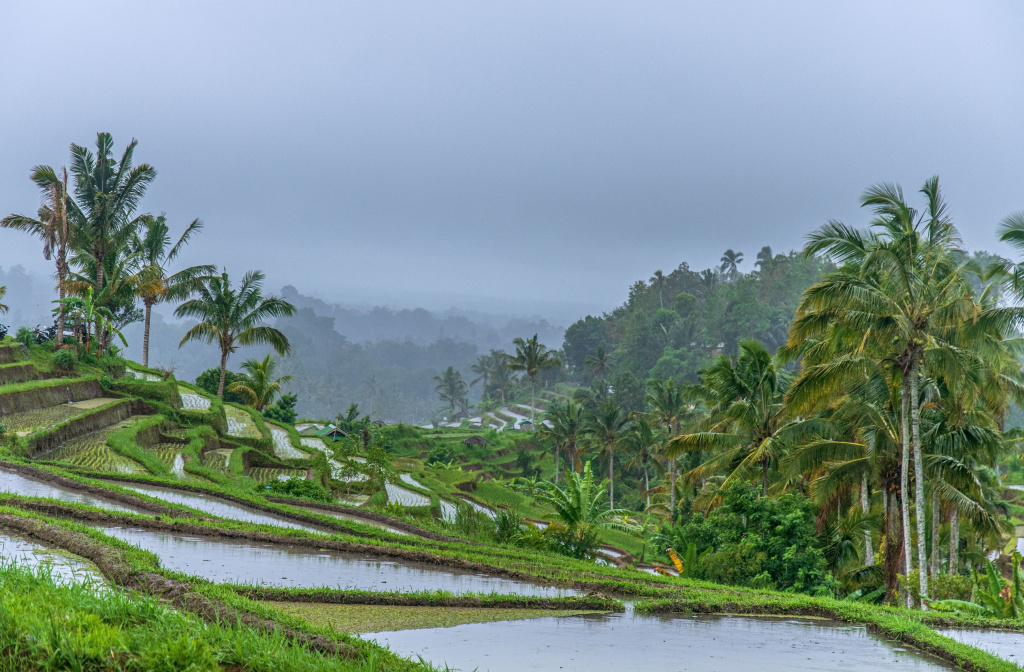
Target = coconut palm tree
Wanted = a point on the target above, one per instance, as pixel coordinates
(898, 295)
(107, 193)
(259, 388)
(747, 430)
(598, 362)
(765, 261)
(603, 429)
(233, 317)
(564, 428)
(659, 280)
(730, 263)
(50, 225)
(451, 388)
(641, 441)
(155, 282)
(668, 403)
(486, 366)
(531, 358)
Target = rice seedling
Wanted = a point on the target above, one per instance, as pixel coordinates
(240, 424)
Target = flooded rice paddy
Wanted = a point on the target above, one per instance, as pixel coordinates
(1006, 645)
(292, 566)
(405, 497)
(61, 565)
(217, 507)
(626, 642)
(283, 447)
(19, 485)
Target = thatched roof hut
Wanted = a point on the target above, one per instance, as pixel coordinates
(477, 441)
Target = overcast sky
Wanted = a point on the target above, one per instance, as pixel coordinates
(527, 156)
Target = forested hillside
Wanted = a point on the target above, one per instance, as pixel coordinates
(671, 325)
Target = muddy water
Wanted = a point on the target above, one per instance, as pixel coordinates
(626, 642)
(62, 566)
(292, 566)
(1008, 645)
(19, 485)
(216, 507)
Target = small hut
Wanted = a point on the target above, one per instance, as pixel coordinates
(525, 425)
(331, 432)
(460, 416)
(477, 441)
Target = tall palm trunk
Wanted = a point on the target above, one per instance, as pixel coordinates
(61, 295)
(954, 540)
(908, 564)
(611, 477)
(865, 507)
(223, 372)
(647, 486)
(145, 332)
(915, 416)
(533, 403)
(893, 547)
(936, 523)
(674, 426)
(556, 462)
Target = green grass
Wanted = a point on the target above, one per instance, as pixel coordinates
(92, 452)
(360, 618)
(48, 625)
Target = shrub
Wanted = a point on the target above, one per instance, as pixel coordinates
(65, 360)
(283, 410)
(760, 542)
(25, 336)
(299, 487)
(440, 455)
(113, 365)
(3, 429)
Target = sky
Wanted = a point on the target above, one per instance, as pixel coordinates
(526, 157)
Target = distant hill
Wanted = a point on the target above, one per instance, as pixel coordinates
(380, 358)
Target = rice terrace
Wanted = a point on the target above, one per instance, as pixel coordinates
(336, 423)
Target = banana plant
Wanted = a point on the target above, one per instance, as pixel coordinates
(993, 595)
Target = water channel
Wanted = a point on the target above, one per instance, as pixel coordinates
(626, 642)
(1007, 645)
(220, 508)
(19, 485)
(62, 566)
(294, 566)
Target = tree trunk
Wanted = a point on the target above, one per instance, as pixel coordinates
(865, 507)
(893, 549)
(61, 294)
(674, 427)
(556, 463)
(936, 524)
(915, 417)
(647, 486)
(611, 478)
(99, 274)
(145, 334)
(954, 541)
(908, 564)
(533, 403)
(223, 372)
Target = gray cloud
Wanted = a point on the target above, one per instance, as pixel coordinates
(532, 156)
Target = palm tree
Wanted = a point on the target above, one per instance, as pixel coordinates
(155, 283)
(485, 367)
(747, 428)
(659, 280)
(668, 403)
(234, 317)
(451, 388)
(531, 358)
(579, 511)
(598, 363)
(502, 381)
(3, 293)
(765, 261)
(107, 192)
(259, 388)
(603, 428)
(641, 440)
(730, 263)
(51, 226)
(899, 294)
(564, 428)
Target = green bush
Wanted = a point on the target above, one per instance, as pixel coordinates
(3, 429)
(25, 336)
(283, 411)
(760, 542)
(299, 487)
(65, 360)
